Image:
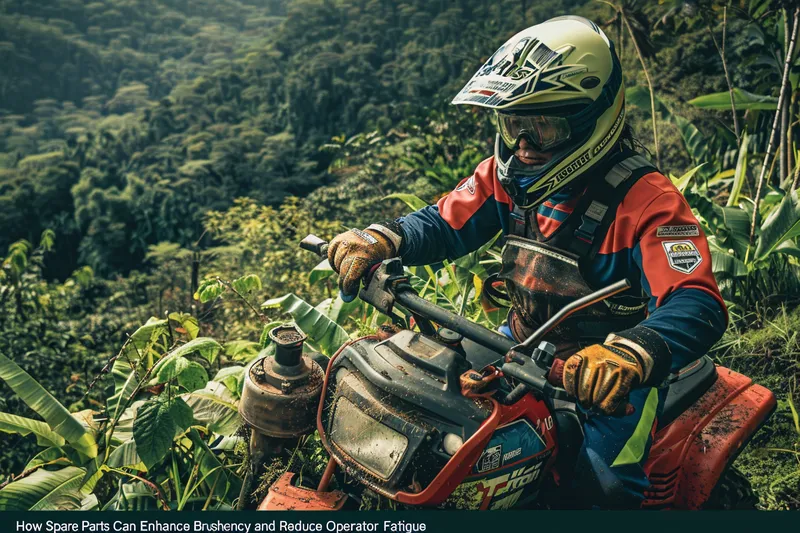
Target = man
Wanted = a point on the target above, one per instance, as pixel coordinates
(579, 209)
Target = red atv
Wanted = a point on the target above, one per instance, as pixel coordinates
(455, 413)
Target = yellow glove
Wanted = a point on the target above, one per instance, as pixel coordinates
(602, 375)
(352, 253)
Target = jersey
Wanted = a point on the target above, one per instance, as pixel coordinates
(654, 240)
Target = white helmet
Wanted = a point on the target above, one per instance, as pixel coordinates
(558, 85)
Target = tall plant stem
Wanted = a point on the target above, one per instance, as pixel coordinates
(649, 82)
(783, 158)
(775, 122)
(721, 51)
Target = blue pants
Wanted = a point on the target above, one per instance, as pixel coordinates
(624, 442)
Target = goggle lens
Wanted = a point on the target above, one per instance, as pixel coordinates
(545, 132)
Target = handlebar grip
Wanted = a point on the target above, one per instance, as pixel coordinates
(314, 244)
(556, 378)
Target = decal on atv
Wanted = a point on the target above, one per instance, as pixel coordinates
(490, 459)
(500, 480)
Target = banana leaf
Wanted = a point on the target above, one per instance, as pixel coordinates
(46, 406)
(323, 333)
(44, 490)
(744, 100)
(26, 426)
(125, 455)
(215, 407)
(321, 272)
(782, 225)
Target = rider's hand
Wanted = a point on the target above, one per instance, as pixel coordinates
(602, 375)
(352, 253)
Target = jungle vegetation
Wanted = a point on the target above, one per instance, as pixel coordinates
(161, 159)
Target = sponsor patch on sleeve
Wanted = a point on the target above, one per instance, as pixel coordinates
(469, 185)
(689, 230)
(683, 256)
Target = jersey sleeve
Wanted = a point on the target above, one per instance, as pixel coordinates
(672, 253)
(460, 223)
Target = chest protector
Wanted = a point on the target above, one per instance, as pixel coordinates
(543, 274)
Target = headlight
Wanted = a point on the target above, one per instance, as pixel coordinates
(373, 445)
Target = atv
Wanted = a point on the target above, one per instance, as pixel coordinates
(448, 412)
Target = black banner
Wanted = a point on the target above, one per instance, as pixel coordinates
(389, 521)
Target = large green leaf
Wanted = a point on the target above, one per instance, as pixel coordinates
(43, 490)
(135, 496)
(725, 265)
(205, 347)
(46, 406)
(322, 271)
(52, 456)
(323, 333)
(153, 430)
(744, 100)
(215, 407)
(25, 426)
(149, 333)
(171, 365)
(194, 377)
(242, 350)
(780, 226)
(337, 309)
(232, 377)
(247, 283)
(125, 455)
(171, 368)
(696, 143)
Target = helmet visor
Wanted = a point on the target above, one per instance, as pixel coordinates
(545, 132)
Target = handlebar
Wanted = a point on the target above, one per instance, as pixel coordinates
(388, 284)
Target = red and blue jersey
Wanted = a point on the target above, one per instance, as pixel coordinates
(654, 240)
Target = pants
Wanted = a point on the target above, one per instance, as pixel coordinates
(623, 443)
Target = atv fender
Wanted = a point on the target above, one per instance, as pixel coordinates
(689, 455)
(284, 496)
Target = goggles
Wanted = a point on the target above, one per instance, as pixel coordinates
(544, 132)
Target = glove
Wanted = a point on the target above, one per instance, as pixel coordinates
(352, 253)
(602, 375)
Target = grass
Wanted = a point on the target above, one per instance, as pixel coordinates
(770, 355)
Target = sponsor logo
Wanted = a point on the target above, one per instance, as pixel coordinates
(468, 185)
(624, 310)
(365, 236)
(510, 455)
(490, 459)
(682, 256)
(689, 230)
(508, 487)
(612, 131)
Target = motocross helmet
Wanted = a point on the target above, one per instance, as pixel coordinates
(558, 85)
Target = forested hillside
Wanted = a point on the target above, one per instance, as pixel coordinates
(163, 158)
